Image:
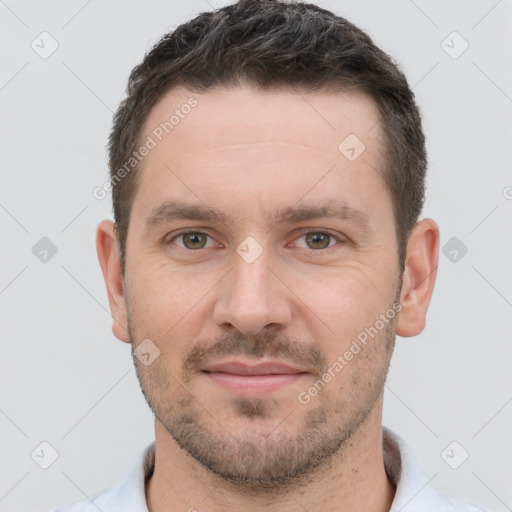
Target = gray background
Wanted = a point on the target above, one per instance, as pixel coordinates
(66, 380)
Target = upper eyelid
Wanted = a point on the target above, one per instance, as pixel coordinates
(339, 237)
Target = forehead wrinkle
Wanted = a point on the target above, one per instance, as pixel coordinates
(231, 145)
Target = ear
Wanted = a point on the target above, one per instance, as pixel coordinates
(108, 254)
(419, 277)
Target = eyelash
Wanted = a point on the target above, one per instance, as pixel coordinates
(337, 238)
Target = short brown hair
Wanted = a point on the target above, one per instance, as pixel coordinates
(273, 44)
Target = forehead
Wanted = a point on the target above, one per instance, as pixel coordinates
(277, 145)
(237, 115)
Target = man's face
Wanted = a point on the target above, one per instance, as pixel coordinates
(269, 280)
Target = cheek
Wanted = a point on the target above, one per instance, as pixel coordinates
(166, 294)
(343, 305)
(168, 307)
(352, 292)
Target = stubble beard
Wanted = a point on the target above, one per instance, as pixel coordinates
(269, 453)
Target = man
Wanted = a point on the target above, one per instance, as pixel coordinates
(267, 173)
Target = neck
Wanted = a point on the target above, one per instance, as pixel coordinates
(354, 479)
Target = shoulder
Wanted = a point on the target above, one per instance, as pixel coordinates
(99, 501)
(459, 506)
(414, 492)
(440, 503)
(129, 495)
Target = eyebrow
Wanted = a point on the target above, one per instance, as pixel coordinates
(174, 210)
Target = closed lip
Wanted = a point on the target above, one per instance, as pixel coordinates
(241, 368)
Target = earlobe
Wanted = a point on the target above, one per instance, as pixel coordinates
(108, 255)
(419, 277)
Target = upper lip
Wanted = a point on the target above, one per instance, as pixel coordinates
(240, 368)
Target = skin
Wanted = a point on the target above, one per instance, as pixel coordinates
(249, 154)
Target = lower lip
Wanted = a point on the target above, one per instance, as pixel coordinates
(253, 385)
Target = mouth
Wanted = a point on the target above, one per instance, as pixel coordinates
(244, 379)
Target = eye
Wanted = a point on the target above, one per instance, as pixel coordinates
(193, 240)
(318, 240)
(196, 240)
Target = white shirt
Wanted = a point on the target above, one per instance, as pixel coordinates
(413, 490)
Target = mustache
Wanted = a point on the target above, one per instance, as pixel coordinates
(265, 345)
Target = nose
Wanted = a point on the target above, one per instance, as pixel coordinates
(251, 298)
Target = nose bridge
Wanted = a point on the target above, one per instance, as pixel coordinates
(251, 280)
(251, 297)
